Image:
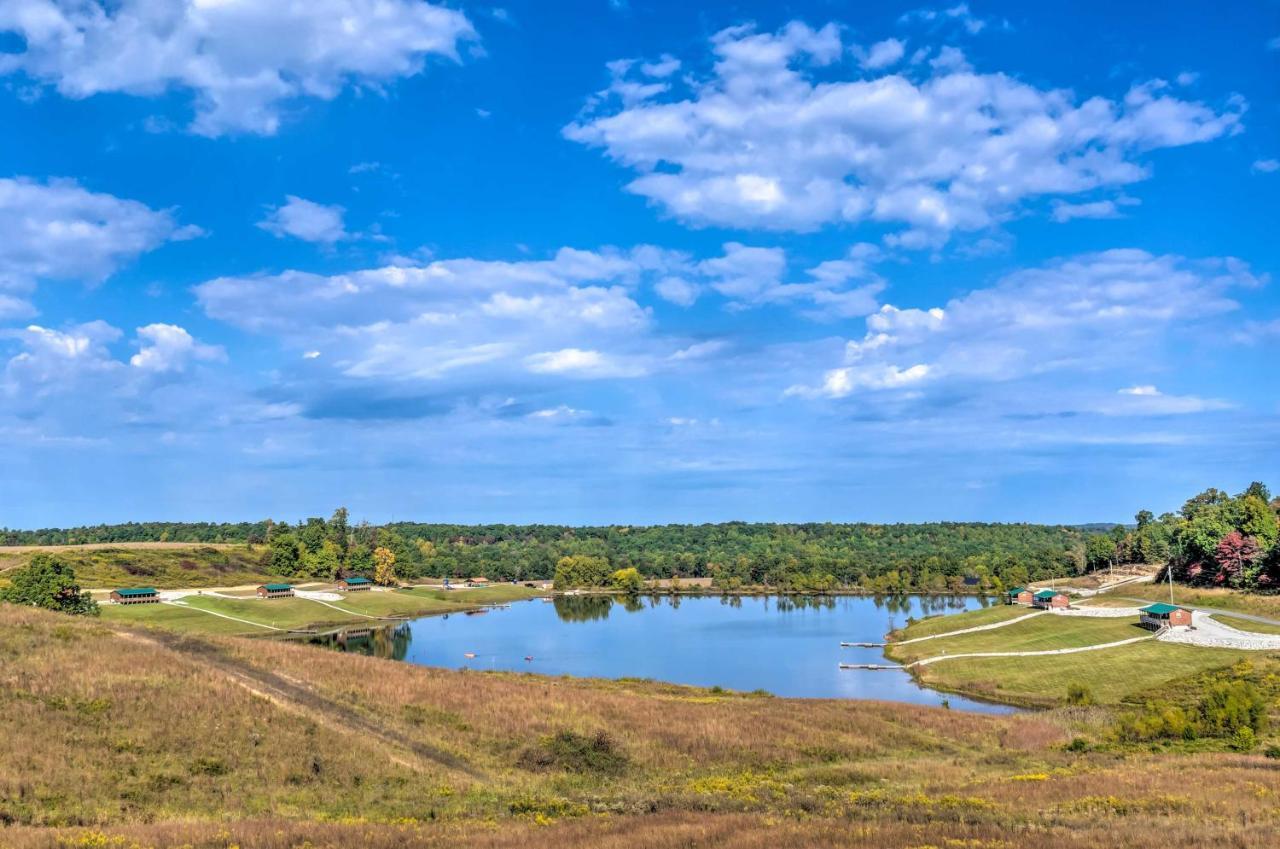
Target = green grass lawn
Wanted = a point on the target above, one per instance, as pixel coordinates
(300, 613)
(1041, 633)
(1247, 624)
(956, 621)
(1110, 674)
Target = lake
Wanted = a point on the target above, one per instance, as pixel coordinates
(789, 646)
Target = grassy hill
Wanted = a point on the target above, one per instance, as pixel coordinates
(109, 736)
(157, 564)
(1112, 675)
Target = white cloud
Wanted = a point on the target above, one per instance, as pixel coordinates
(677, 290)
(580, 363)
(959, 13)
(1147, 400)
(60, 231)
(1063, 212)
(244, 61)
(882, 54)
(167, 349)
(1090, 314)
(50, 359)
(306, 220)
(1266, 166)
(462, 320)
(761, 143)
(664, 67)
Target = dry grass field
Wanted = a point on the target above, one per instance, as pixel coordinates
(120, 737)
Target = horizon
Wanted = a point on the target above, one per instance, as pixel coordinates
(635, 264)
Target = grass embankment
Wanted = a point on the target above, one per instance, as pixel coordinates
(1112, 675)
(946, 622)
(160, 565)
(109, 737)
(261, 616)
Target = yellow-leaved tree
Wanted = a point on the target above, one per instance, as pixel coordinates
(384, 567)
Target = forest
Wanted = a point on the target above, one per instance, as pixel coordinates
(1214, 539)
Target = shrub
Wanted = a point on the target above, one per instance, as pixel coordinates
(595, 753)
(1079, 694)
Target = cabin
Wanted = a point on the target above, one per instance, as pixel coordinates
(477, 582)
(1161, 615)
(355, 584)
(275, 591)
(1018, 595)
(1050, 600)
(137, 595)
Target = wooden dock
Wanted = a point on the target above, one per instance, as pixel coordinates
(862, 645)
(876, 666)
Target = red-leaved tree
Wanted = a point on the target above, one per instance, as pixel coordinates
(1235, 553)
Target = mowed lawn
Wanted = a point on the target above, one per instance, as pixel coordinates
(1251, 603)
(1246, 624)
(969, 619)
(196, 614)
(1040, 633)
(1111, 675)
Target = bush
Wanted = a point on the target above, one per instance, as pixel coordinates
(1079, 694)
(595, 754)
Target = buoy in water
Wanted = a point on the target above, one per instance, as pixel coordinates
(528, 657)
(469, 654)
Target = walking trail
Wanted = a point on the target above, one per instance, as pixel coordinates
(928, 660)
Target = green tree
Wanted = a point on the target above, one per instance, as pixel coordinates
(49, 583)
(286, 555)
(324, 563)
(582, 570)
(627, 580)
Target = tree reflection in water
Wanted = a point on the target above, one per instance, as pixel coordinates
(583, 608)
(389, 642)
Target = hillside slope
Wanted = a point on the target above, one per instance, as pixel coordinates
(161, 739)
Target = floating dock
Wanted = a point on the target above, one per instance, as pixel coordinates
(862, 645)
(870, 666)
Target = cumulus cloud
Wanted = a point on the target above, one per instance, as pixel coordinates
(882, 54)
(1085, 315)
(167, 349)
(58, 230)
(306, 220)
(959, 14)
(933, 150)
(243, 61)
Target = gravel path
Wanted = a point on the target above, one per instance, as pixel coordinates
(1100, 612)
(1211, 633)
(929, 660)
(969, 630)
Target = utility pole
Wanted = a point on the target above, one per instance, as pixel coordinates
(1169, 570)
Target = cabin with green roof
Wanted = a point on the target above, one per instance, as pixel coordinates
(355, 584)
(136, 595)
(1017, 595)
(275, 591)
(1050, 600)
(1160, 615)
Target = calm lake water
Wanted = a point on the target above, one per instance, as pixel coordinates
(788, 646)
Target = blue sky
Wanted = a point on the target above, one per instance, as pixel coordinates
(635, 261)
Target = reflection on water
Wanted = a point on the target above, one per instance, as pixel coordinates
(787, 645)
(390, 642)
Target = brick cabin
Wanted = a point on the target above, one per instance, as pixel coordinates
(355, 584)
(275, 591)
(1018, 595)
(1161, 615)
(1050, 600)
(137, 595)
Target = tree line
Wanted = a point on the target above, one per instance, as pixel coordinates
(1215, 539)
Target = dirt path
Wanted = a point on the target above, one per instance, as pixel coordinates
(298, 697)
(929, 660)
(1211, 633)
